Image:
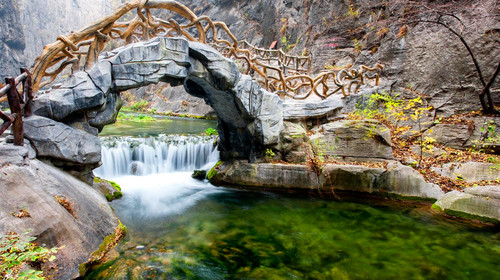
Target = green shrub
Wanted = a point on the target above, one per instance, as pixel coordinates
(210, 131)
(140, 105)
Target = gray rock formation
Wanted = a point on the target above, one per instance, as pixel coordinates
(66, 147)
(32, 185)
(405, 180)
(165, 98)
(293, 141)
(58, 141)
(397, 180)
(299, 110)
(470, 171)
(479, 203)
(354, 140)
(480, 134)
(18, 155)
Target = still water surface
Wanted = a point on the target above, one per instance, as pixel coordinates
(181, 228)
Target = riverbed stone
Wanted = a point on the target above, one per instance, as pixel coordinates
(354, 140)
(402, 179)
(396, 181)
(479, 203)
(58, 141)
(277, 176)
(470, 171)
(33, 187)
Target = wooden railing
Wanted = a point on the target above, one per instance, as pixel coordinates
(273, 69)
(20, 105)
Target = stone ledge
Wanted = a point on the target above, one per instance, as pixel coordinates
(478, 203)
(398, 181)
(300, 110)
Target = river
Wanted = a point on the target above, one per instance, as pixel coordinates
(181, 228)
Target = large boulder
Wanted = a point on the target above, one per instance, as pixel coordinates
(354, 140)
(395, 181)
(479, 203)
(76, 94)
(292, 146)
(79, 222)
(20, 155)
(56, 140)
(403, 179)
(450, 135)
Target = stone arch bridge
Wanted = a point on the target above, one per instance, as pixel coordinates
(249, 117)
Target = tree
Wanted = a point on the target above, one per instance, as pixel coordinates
(443, 15)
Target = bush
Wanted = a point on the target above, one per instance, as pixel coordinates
(210, 131)
(140, 105)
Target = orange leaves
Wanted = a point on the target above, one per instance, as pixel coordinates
(402, 31)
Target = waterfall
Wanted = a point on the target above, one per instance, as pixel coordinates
(163, 154)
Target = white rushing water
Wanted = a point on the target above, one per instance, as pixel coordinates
(145, 156)
(155, 173)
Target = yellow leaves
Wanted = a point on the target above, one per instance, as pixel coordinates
(382, 32)
(401, 129)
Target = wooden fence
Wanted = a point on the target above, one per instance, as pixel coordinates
(20, 104)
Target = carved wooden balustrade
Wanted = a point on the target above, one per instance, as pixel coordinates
(276, 71)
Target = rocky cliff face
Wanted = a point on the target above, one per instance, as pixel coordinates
(420, 57)
(28, 25)
(12, 41)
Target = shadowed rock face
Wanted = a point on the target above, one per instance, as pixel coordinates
(249, 117)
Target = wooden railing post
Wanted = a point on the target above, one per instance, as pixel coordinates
(28, 93)
(15, 108)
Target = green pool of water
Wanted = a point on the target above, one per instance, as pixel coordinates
(162, 125)
(246, 235)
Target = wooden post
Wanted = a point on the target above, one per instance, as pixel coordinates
(15, 108)
(7, 121)
(28, 93)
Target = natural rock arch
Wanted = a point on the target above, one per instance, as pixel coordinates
(249, 117)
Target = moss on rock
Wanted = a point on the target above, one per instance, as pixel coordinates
(213, 172)
(107, 245)
(109, 189)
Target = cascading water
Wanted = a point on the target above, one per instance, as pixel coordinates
(155, 172)
(145, 156)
